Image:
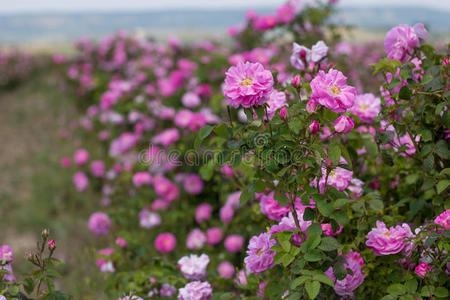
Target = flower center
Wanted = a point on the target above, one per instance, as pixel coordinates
(332, 173)
(363, 107)
(335, 90)
(259, 252)
(246, 81)
(388, 234)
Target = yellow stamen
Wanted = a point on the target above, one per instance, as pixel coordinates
(259, 252)
(335, 90)
(246, 81)
(332, 173)
(363, 107)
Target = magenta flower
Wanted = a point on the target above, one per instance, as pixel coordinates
(99, 223)
(366, 107)
(288, 224)
(443, 219)
(148, 219)
(214, 235)
(142, 178)
(301, 56)
(167, 137)
(346, 286)
(263, 23)
(6, 254)
(121, 242)
(195, 239)
(285, 14)
(165, 242)
(339, 178)
(97, 168)
(259, 256)
(271, 208)
(193, 267)
(276, 101)
(195, 290)
(248, 84)
(183, 118)
(331, 90)
(343, 124)
(385, 241)
(400, 42)
(423, 269)
(225, 269)
(167, 290)
(193, 184)
(191, 100)
(203, 212)
(81, 157)
(233, 243)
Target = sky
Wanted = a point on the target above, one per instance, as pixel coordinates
(25, 6)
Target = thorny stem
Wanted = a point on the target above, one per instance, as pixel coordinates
(295, 216)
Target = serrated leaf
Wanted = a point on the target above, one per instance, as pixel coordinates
(334, 153)
(442, 185)
(312, 288)
(329, 243)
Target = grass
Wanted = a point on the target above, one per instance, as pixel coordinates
(36, 192)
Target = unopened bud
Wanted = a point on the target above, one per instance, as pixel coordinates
(51, 245)
(283, 113)
(311, 106)
(296, 81)
(314, 126)
(45, 233)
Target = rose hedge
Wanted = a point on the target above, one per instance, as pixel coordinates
(259, 170)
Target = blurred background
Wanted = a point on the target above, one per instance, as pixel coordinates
(35, 192)
(50, 24)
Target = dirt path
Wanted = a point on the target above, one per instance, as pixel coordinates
(35, 192)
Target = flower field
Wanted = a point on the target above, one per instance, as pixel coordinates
(279, 163)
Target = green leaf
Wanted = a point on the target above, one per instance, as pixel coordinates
(312, 288)
(287, 259)
(441, 292)
(376, 204)
(313, 255)
(311, 242)
(442, 185)
(314, 228)
(334, 153)
(323, 278)
(396, 289)
(205, 131)
(296, 125)
(405, 93)
(222, 131)
(411, 285)
(442, 150)
(329, 243)
(299, 281)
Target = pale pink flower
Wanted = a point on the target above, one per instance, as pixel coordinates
(193, 267)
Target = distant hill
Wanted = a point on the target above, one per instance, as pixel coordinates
(64, 27)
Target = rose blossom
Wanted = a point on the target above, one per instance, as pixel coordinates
(81, 157)
(142, 178)
(233, 243)
(339, 178)
(247, 84)
(193, 184)
(97, 168)
(167, 290)
(203, 212)
(400, 42)
(443, 219)
(165, 242)
(195, 239)
(167, 137)
(193, 267)
(276, 101)
(366, 107)
(121, 242)
(343, 124)
(346, 286)
(213, 236)
(148, 219)
(331, 90)
(385, 241)
(285, 14)
(190, 100)
(225, 269)
(80, 181)
(99, 223)
(259, 256)
(6, 254)
(195, 290)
